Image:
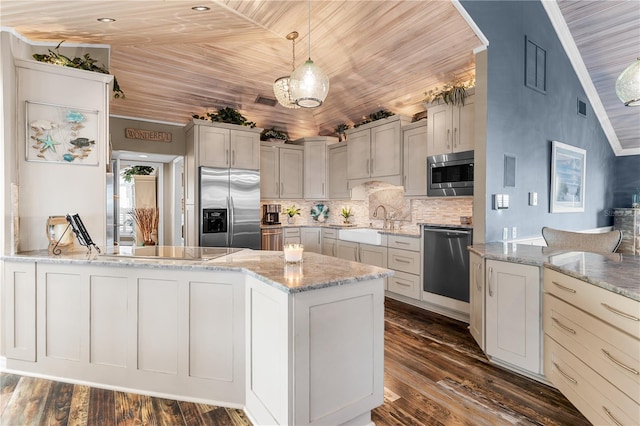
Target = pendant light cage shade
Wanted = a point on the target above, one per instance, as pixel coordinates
(282, 91)
(282, 86)
(628, 85)
(309, 85)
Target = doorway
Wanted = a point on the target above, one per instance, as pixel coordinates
(163, 190)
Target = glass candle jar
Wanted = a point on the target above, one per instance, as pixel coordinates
(293, 253)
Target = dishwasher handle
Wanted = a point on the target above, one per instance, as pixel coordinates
(448, 231)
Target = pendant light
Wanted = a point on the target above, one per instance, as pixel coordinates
(309, 84)
(628, 85)
(282, 85)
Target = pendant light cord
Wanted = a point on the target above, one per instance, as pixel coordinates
(309, 29)
(293, 62)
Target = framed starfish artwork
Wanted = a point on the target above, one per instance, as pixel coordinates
(61, 134)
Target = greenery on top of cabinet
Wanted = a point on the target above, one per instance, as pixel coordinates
(226, 115)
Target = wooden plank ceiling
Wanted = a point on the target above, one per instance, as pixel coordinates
(607, 34)
(173, 62)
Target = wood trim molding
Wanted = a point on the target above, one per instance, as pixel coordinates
(474, 27)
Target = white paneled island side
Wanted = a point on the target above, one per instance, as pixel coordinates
(290, 343)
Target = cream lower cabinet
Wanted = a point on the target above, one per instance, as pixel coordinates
(405, 258)
(311, 239)
(363, 253)
(291, 235)
(512, 314)
(476, 298)
(592, 348)
(19, 310)
(329, 242)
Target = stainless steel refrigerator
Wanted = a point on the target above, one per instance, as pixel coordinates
(229, 208)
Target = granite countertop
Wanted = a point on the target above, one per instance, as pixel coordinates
(405, 232)
(315, 272)
(619, 273)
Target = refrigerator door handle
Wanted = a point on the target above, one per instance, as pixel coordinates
(231, 219)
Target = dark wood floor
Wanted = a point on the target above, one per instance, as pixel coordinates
(434, 375)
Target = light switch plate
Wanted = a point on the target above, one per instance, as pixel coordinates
(533, 198)
(505, 234)
(514, 233)
(500, 201)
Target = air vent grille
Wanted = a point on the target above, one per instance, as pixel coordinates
(266, 101)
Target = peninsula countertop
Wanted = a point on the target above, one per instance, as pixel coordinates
(618, 273)
(315, 272)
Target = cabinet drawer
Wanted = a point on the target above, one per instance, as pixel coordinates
(329, 233)
(405, 284)
(610, 352)
(291, 232)
(404, 243)
(619, 311)
(586, 389)
(405, 261)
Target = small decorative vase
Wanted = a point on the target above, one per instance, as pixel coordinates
(346, 221)
(342, 137)
(291, 220)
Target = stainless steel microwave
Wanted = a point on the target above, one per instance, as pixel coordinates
(450, 175)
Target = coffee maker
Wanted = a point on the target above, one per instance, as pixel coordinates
(271, 214)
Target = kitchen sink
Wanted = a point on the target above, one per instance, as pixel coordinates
(361, 235)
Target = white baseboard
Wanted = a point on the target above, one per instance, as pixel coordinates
(460, 316)
(124, 389)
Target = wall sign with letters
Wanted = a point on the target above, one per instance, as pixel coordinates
(147, 135)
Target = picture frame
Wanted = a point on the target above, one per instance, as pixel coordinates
(568, 178)
(61, 134)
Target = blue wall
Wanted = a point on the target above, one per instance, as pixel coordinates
(627, 180)
(523, 122)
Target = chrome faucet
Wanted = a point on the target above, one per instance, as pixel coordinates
(384, 209)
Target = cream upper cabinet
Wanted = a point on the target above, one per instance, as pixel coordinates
(414, 148)
(476, 298)
(281, 172)
(374, 150)
(451, 128)
(513, 311)
(214, 146)
(316, 184)
(245, 150)
(224, 145)
(338, 182)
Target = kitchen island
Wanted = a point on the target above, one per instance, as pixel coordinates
(289, 343)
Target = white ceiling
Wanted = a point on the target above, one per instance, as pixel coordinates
(173, 62)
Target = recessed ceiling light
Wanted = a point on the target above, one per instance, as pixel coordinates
(200, 8)
(143, 156)
(106, 20)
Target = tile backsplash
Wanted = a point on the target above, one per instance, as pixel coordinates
(442, 210)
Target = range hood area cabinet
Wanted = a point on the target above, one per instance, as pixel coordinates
(316, 166)
(374, 151)
(451, 128)
(281, 171)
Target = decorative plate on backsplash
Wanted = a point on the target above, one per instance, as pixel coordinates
(320, 212)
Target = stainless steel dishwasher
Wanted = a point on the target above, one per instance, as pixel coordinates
(446, 261)
(271, 238)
